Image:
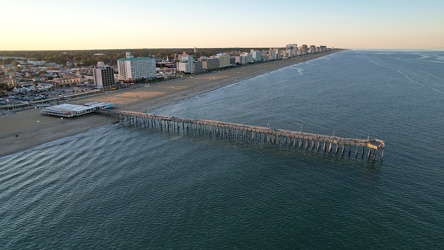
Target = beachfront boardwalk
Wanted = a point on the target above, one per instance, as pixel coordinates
(349, 147)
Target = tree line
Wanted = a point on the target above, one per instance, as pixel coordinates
(91, 57)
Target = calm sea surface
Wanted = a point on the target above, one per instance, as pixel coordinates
(132, 188)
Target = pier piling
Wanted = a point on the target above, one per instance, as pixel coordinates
(250, 134)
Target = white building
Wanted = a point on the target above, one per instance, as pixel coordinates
(272, 54)
(244, 58)
(103, 75)
(291, 46)
(186, 64)
(291, 49)
(36, 63)
(256, 55)
(131, 68)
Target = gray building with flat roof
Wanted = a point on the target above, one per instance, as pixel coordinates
(210, 63)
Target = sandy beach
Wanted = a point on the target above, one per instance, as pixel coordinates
(28, 128)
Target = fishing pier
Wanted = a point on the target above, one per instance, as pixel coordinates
(345, 147)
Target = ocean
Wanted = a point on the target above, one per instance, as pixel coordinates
(133, 188)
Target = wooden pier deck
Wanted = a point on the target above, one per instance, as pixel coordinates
(349, 147)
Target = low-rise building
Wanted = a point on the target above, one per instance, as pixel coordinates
(66, 80)
(36, 63)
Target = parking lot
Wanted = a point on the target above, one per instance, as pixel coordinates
(54, 96)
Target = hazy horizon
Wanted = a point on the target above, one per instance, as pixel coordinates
(102, 25)
(129, 49)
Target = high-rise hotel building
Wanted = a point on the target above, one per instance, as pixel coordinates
(131, 68)
(103, 75)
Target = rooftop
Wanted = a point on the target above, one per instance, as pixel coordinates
(135, 59)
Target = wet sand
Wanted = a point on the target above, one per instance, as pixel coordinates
(26, 129)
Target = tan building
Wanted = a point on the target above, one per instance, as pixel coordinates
(66, 81)
(304, 49)
(312, 49)
(224, 60)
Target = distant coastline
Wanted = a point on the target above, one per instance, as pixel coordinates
(28, 128)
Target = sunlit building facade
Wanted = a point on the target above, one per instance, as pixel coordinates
(131, 68)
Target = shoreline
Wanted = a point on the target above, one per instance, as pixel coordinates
(26, 129)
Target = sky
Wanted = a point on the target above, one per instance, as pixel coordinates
(132, 24)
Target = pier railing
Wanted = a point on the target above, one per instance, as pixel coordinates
(349, 147)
